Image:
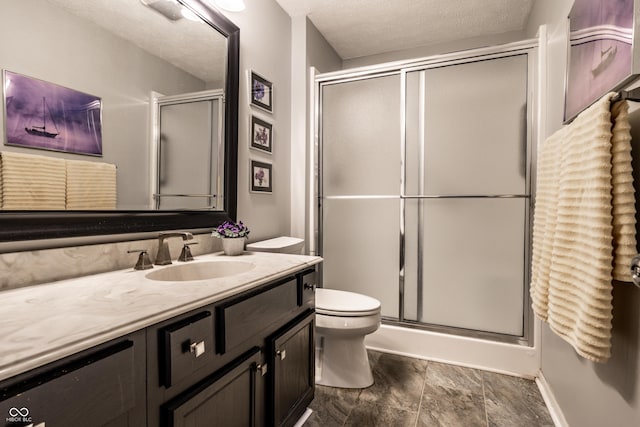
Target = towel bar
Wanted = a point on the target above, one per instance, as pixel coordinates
(635, 270)
(629, 95)
(184, 195)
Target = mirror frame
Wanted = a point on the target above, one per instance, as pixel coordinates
(36, 225)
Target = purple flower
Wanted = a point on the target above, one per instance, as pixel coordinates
(259, 176)
(230, 229)
(261, 137)
(258, 90)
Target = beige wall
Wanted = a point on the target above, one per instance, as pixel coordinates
(309, 49)
(589, 394)
(435, 49)
(265, 47)
(320, 54)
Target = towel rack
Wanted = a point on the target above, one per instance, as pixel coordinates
(629, 95)
(156, 195)
(635, 270)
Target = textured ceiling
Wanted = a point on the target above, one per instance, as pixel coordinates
(192, 46)
(358, 28)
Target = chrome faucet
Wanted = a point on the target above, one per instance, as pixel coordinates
(163, 257)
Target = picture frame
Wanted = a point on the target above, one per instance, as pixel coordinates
(261, 135)
(261, 177)
(43, 115)
(260, 92)
(601, 56)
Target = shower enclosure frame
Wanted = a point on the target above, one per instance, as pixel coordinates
(401, 68)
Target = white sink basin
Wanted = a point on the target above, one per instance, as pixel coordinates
(200, 271)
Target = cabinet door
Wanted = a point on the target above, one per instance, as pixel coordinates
(231, 398)
(102, 387)
(293, 373)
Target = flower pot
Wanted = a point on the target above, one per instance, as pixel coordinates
(233, 245)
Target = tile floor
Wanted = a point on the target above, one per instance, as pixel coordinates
(413, 392)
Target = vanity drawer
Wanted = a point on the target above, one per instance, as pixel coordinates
(307, 289)
(240, 319)
(185, 347)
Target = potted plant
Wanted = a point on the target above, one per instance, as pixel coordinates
(233, 235)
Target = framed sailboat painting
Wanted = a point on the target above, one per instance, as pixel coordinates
(603, 53)
(47, 116)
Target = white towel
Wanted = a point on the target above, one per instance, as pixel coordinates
(624, 201)
(91, 185)
(31, 182)
(584, 215)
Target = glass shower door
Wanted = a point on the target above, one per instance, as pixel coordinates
(187, 138)
(360, 214)
(467, 195)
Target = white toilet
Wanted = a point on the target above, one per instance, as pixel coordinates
(342, 321)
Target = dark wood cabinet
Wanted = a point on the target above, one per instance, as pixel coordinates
(185, 346)
(259, 371)
(230, 398)
(103, 386)
(292, 379)
(246, 316)
(246, 361)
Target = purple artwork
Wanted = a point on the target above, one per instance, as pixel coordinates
(261, 92)
(261, 180)
(600, 53)
(261, 135)
(47, 116)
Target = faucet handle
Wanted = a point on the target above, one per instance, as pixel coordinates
(144, 262)
(185, 255)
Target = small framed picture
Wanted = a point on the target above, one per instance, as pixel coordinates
(261, 177)
(261, 135)
(261, 92)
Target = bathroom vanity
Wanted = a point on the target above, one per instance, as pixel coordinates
(120, 349)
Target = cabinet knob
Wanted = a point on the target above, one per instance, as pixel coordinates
(308, 286)
(282, 354)
(197, 348)
(262, 368)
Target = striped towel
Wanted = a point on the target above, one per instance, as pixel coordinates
(91, 185)
(584, 226)
(31, 182)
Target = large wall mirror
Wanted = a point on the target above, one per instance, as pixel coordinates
(128, 107)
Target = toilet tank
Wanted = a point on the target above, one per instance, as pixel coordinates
(284, 244)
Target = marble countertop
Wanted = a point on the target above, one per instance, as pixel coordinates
(43, 323)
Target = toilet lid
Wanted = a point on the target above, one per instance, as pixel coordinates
(342, 303)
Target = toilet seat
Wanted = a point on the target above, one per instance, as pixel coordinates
(332, 302)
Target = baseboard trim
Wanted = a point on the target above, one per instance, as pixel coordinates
(550, 400)
(307, 413)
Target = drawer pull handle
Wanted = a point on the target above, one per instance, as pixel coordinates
(282, 354)
(308, 286)
(262, 368)
(197, 348)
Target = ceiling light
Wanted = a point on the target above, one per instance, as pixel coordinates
(230, 5)
(186, 13)
(170, 9)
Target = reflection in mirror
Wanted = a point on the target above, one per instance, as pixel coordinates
(189, 178)
(125, 52)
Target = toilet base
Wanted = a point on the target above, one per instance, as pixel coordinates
(343, 363)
